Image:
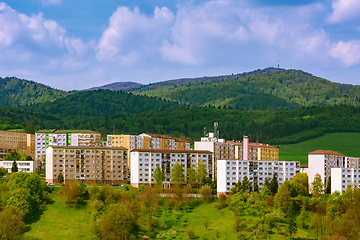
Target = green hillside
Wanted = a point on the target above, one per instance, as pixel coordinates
(266, 89)
(101, 103)
(16, 92)
(345, 143)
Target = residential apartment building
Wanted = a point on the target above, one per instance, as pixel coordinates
(55, 137)
(218, 147)
(321, 162)
(4, 151)
(147, 141)
(255, 151)
(342, 178)
(229, 172)
(23, 166)
(144, 162)
(91, 165)
(19, 141)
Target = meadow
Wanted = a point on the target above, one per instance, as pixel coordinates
(346, 143)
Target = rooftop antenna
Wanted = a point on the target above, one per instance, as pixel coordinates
(204, 131)
(257, 136)
(114, 128)
(278, 63)
(216, 132)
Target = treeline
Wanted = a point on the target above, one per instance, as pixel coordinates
(268, 126)
(288, 88)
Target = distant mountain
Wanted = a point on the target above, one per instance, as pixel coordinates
(16, 92)
(270, 88)
(116, 86)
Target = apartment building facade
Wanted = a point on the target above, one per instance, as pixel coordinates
(218, 147)
(19, 141)
(342, 178)
(145, 161)
(232, 171)
(53, 137)
(90, 165)
(23, 166)
(321, 162)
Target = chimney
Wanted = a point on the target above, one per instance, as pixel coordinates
(245, 148)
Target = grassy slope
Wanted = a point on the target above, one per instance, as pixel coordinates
(60, 222)
(345, 143)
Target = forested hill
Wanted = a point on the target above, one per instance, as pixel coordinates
(269, 88)
(101, 103)
(16, 92)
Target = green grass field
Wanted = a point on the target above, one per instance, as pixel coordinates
(345, 143)
(60, 222)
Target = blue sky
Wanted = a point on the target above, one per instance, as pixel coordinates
(79, 44)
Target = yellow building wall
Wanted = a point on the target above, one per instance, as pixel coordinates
(146, 142)
(164, 143)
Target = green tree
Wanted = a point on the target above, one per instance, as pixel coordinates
(267, 183)
(191, 176)
(72, 193)
(177, 174)
(282, 198)
(291, 219)
(274, 184)
(317, 187)
(201, 172)
(60, 178)
(256, 186)
(119, 222)
(299, 185)
(206, 192)
(158, 176)
(3, 171)
(14, 167)
(12, 223)
(245, 185)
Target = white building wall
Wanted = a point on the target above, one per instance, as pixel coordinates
(49, 165)
(336, 180)
(316, 164)
(23, 166)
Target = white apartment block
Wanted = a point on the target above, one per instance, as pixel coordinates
(95, 165)
(342, 178)
(23, 166)
(144, 162)
(321, 162)
(219, 148)
(231, 171)
(53, 137)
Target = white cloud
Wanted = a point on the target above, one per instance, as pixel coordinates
(344, 10)
(52, 2)
(132, 35)
(347, 52)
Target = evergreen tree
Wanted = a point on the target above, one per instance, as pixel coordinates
(256, 186)
(158, 176)
(245, 185)
(328, 186)
(201, 172)
(60, 178)
(14, 167)
(274, 184)
(267, 183)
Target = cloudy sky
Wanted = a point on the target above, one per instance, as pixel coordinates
(79, 44)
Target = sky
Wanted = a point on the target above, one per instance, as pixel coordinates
(78, 44)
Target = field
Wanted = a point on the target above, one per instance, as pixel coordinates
(345, 143)
(205, 220)
(60, 222)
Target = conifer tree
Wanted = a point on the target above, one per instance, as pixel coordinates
(14, 167)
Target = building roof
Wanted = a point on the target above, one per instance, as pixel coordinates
(326, 152)
(304, 166)
(89, 147)
(181, 140)
(171, 151)
(158, 135)
(261, 145)
(65, 131)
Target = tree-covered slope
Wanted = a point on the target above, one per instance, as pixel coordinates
(101, 103)
(16, 92)
(266, 89)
